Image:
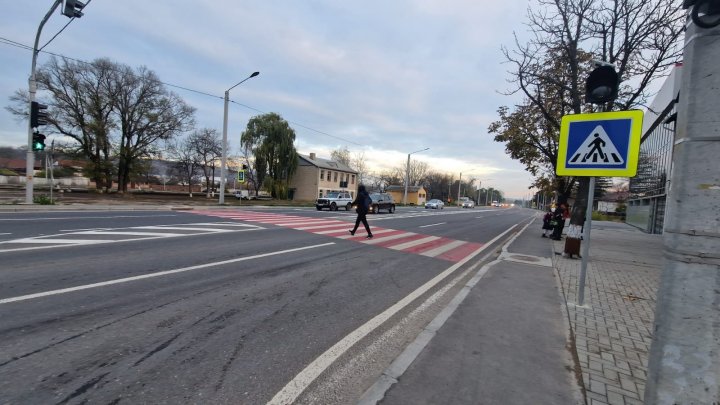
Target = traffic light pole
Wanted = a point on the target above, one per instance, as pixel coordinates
(30, 157)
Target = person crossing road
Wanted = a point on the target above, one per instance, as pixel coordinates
(362, 204)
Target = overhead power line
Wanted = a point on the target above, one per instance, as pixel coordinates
(23, 46)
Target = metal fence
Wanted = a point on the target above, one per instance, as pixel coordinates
(648, 189)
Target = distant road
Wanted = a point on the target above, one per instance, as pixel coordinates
(223, 305)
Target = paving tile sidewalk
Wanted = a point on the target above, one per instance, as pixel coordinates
(613, 329)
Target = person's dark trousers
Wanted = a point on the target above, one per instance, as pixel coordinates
(361, 218)
(557, 232)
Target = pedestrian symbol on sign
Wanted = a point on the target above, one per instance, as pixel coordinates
(597, 148)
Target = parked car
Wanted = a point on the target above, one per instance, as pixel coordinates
(381, 201)
(334, 200)
(435, 204)
(468, 204)
(242, 195)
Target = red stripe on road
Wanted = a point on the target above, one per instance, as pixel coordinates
(460, 252)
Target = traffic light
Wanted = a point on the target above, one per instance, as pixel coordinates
(602, 84)
(38, 142)
(704, 13)
(241, 176)
(72, 8)
(38, 116)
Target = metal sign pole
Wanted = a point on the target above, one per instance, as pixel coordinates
(586, 241)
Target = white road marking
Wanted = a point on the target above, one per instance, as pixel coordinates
(158, 274)
(185, 228)
(59, 241)
(159, 234)
(414, 243)
(439, 223)
(361, 231)
(304, 378)
(325, 226)
(387, 238)
(444, 248)
(61, 218)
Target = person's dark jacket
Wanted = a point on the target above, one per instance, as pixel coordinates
(360, 203)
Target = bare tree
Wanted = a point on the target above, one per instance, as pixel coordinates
(341, 155)
(207, 148)
(185, 161)
(80, 107)
(641, 38)
(146, 114)
(358, 164)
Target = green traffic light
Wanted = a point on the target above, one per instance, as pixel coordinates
(38, 142)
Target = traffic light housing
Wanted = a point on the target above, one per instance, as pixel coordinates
(38, 115)
(38, 142)
(241, 176)
(602, 85)
(72, 8)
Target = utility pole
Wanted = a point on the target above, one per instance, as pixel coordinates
(72, 10)
(684, 361)
(459, 184)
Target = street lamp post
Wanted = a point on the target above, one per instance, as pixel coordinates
(407, 174)
(223, 164)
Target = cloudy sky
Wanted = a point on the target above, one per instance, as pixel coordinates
(381, 77)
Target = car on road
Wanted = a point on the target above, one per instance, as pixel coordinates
(435, 204)
(468, 204)
(381, 201)
(334, 200)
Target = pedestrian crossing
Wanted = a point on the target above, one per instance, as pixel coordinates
(418, 213)
(111, 235)
(409, 242)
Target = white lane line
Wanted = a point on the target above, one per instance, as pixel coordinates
(86, 229)
(414, 243)
(160, 234)
(304, 378)
(5, 233)
(184, 228)
(158, 274)
(61, 218)
(60, 241)
(91, 242)
(444, 248)
(439, 223)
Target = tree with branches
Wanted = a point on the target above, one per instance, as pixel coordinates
(641, 38)
(271, 140)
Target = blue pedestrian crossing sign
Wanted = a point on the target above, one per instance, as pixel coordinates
(600, 144)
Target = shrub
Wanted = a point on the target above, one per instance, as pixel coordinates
(43, 199)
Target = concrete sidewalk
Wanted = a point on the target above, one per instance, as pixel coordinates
(504, 339)
(508, 338)
(613, 329)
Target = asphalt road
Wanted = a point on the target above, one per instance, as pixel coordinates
(223, 305)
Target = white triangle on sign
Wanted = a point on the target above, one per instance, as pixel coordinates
(597, 149)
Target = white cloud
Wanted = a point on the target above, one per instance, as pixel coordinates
(393, 77)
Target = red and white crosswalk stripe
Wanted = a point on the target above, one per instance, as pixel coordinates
(409, 242)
